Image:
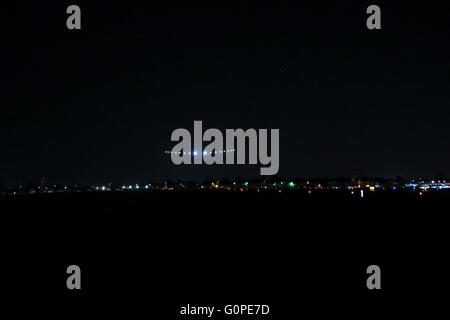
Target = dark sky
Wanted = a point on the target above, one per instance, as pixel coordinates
(99, 104)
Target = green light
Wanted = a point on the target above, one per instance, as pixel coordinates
(245, 184)
(291, 184)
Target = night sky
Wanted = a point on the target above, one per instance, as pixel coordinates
(99, 104)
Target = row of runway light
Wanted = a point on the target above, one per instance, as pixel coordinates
(136, 187)
(130, 187)
(204, 152)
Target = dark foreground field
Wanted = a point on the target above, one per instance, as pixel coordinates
(149, 253)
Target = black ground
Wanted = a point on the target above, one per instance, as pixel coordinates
(153, 252)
